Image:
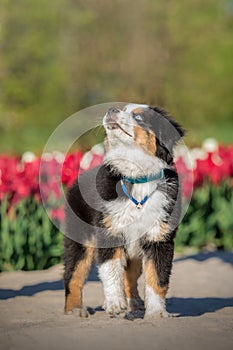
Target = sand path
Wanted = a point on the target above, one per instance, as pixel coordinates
(200, 296)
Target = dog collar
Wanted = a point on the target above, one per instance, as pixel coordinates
(142, 180)
(134, 200)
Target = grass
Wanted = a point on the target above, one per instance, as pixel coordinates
(221, 132)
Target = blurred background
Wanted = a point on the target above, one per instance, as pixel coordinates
(59, 56)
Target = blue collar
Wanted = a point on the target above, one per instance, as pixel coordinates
(142, 180)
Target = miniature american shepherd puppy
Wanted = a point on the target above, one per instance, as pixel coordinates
(124, 214)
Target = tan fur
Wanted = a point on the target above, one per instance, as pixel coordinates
(74, 299)
(132, 273)
(106, 144)
(151, 279)
(118, 253)
(107, 222)
(164, 229)
(138, 110)
(144, 139)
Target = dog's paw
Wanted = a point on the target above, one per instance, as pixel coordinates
(78, 312)
(136, 314)
(135, 304)
(114, 309)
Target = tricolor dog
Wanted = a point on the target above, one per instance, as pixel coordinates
(124, 214)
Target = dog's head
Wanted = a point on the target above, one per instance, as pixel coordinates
(139, 132)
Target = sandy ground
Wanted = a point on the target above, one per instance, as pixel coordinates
(200, 298)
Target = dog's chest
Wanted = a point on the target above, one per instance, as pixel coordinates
(135, 223)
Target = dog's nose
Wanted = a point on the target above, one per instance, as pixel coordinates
(113, 110)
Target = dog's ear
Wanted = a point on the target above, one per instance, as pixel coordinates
(168, 133)
(180, 132)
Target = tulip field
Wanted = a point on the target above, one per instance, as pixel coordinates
(29, 240)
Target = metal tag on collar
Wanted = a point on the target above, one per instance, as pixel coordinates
(139, 206)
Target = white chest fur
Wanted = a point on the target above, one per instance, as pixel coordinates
(136, 223)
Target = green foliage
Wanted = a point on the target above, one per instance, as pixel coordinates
(209, 220)
(28, 239)
(60, 56)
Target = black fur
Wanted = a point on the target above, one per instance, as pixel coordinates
(161, 253)
(105, 254)
(84, 216)
(172, 186)
(168, 132)
(74, 252)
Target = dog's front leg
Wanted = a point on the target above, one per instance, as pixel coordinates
(157, 266)
(111, 272)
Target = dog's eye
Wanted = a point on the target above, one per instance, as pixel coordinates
(138, 117)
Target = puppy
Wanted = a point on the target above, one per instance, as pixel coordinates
(124, 214)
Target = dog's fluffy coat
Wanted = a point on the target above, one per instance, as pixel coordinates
(103, 224)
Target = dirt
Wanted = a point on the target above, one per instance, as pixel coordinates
(200, 298)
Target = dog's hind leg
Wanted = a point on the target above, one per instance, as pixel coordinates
(77, 261)
(132, 273)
